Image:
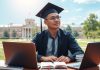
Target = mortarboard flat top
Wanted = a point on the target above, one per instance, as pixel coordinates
(49, 8)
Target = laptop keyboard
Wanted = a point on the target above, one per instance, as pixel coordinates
(74, 65)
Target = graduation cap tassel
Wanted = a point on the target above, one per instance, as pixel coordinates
(41, 24)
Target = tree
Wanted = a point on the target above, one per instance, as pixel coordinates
(68, 29)
(90, 26)
(75, 34)
(14, 34)
(98, 29)
(6, 34)
(73, 23)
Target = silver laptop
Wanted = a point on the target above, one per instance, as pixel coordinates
(91, 57)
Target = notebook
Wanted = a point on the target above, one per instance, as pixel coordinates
(53, 65)
(91, 57)
(18, 54)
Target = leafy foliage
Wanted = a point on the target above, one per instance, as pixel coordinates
(6, 34)
(91, 26)
(75, 34)
(69, 29)
(14, 34)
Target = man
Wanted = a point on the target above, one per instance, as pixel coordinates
(53, 44)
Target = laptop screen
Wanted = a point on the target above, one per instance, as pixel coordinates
(19, 54)
(92, 56)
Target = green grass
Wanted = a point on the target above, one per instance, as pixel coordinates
(1, 53)
(81, 42)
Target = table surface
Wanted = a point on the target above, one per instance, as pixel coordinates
(4, 67)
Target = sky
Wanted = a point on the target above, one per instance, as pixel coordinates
(75, 11)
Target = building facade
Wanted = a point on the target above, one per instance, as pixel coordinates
(28, 30)
(25, 31)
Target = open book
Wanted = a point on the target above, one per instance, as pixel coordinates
(53, 65)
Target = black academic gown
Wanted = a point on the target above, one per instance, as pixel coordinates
(65, 42)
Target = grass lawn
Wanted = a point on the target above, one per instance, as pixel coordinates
(82, 43)
(1, 53)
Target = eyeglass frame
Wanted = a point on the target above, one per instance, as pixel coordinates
(53, 18)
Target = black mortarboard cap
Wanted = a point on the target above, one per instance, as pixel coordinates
(49, 8)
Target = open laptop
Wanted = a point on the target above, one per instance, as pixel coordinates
(91, 57)
(19, 54)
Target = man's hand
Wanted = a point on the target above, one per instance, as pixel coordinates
(48, 58)
(63, 59)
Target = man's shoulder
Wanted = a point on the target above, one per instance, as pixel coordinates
(64, 32)
(41, 33)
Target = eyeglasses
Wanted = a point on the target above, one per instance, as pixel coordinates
(53, 18)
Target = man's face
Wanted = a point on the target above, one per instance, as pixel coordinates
(52, 21)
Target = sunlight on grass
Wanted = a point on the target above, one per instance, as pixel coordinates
(82, 43)
(1, 53)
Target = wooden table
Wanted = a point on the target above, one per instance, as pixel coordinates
(2, 64)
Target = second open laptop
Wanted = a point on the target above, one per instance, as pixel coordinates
(91, 57)
(19, 54)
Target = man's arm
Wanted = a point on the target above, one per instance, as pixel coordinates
(40, 58)
(74, 48)
(35, 40)
(48, 58)
(63, 59)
